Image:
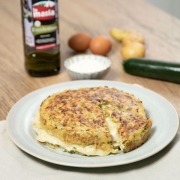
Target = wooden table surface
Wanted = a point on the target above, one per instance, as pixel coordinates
(161, 32)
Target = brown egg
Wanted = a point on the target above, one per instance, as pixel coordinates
(79, 42)
(100, 45)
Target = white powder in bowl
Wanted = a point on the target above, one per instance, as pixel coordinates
(86, 66)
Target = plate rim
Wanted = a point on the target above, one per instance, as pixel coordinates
(47, 88)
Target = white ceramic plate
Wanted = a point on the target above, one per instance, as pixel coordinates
(164, 117)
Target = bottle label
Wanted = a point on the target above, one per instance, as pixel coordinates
(41, 23)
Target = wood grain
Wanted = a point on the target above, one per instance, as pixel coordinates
(161, 31)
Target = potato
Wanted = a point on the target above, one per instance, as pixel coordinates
(133, 50)
(119, 34)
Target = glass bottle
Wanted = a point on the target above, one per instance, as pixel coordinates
(41, 37)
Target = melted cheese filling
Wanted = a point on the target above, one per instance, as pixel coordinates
(44, 137)
(113, 130)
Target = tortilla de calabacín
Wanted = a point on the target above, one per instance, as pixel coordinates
(93, 121)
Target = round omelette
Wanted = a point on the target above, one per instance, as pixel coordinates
(95, 121)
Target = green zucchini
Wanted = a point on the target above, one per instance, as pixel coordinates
(166, 71)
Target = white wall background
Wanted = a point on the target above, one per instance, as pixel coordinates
(170, 6)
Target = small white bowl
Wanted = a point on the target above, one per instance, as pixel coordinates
(87, 66)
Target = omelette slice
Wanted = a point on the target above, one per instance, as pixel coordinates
(93, 121)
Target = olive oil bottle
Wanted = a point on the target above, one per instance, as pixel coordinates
(41, 37)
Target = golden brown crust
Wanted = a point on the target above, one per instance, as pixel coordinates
(78, 117)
